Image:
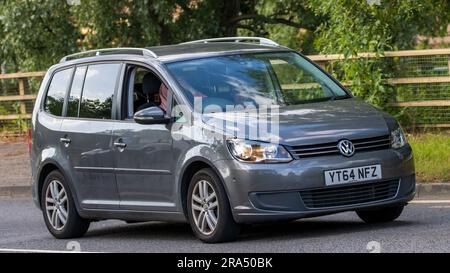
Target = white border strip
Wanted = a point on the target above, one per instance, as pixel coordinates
(430, 202)
(41, 251)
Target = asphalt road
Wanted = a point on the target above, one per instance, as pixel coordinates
(423, 227)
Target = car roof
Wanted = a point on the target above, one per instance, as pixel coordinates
(171, 53)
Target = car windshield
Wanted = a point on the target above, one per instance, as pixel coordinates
(281, 78)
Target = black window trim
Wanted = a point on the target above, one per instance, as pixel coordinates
(69, 91)
(119, 77)
(116, 110)
(122, 106)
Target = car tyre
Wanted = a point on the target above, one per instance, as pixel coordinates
(58, 208)
(209, 210)
(381, 215)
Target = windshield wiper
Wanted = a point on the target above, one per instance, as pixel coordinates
(314, 100)
(341, 97)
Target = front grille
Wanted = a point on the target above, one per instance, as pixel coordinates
(362, 144)
(349, 195)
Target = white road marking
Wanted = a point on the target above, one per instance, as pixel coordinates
(430, 202)
(440, 207)
(40, 251)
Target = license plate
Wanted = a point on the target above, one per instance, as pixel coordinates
(350, 175)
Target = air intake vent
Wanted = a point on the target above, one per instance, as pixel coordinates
(349, 195)
(362, 144)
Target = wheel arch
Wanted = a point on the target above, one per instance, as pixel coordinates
(191, 167)
(48, 167)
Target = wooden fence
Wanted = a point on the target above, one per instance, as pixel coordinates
(23, 94)
(321, 59)
(433, 59)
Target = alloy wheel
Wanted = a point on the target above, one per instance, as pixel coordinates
(56, 205)
(205, 207)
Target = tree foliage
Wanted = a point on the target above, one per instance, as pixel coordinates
(352, 27)
(36, 33)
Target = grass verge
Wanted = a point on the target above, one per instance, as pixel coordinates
(431, 156)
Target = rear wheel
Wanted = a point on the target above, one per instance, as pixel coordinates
(209, 210)
(381, 215)
(58, 208)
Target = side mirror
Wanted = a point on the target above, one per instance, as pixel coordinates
(151, 115)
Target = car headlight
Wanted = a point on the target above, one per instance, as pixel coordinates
(398, 138)
(257, 152)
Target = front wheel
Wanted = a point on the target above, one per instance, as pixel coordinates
(209, 210)
(381, 215)
(58, 208)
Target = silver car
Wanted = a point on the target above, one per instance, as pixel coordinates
(218, 132)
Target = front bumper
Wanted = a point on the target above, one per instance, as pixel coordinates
(270, 192)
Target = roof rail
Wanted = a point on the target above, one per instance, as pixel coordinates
(110, 51)
(262, 41)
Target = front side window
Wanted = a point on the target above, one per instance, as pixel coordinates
(56, 93)
(145, 89)
(282, 78)
(98, 91)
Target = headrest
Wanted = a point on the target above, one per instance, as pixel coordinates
(150, 84)
(138, 87)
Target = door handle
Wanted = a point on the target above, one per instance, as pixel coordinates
(65, 140)
(119, 144)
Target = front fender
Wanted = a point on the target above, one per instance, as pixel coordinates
(207, 154)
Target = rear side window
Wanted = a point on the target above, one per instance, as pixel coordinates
(75, 91)
(56, 94)
(98, 91)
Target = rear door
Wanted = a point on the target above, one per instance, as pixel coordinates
(87, 131)
(47, 129)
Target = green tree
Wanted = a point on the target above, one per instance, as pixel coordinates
(33, 32)
(36, 33)
(289, 22)
(352, 27)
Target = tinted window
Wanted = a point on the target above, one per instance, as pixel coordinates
(75, 91)
(98, 91)
(57, 92)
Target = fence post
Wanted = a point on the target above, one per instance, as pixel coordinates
(23, 108)
(448, 64)
(22, 82)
